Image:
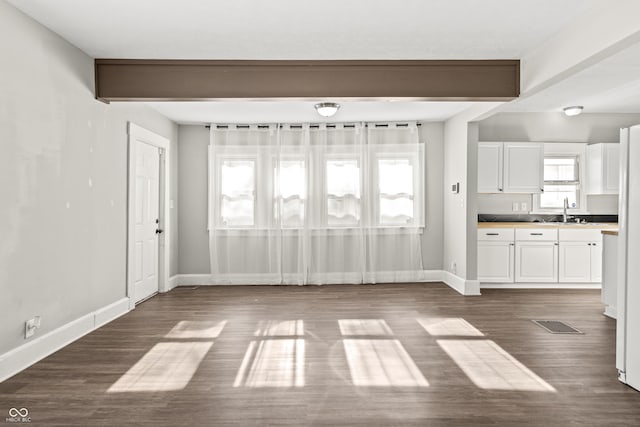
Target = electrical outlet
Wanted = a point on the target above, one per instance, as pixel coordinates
(31, 325)
(454, 267)
(515, 207)
(523, 206)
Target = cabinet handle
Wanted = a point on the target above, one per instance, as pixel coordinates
(593, 244)
(493, 234)
(542, 190)
(499, 189)
(536, 234)
(512, 244)
(556, 244)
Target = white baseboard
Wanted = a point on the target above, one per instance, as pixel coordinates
(274, 279)
(540, 285)
(462, 286)
(611, 312)
(173, 282)
(22, 357)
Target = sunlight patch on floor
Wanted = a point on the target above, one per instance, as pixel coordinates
(273, 328)
(444, 326)
(364, 327)
(166, 367)
(490, 367)
(273, 363)
(381, 363)
(187, 329)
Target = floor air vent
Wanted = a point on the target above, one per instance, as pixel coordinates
(556, 327)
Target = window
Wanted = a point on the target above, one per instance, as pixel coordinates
(337, 178)
(343, 192)
(561, 180)
(395, 191)
(289, 200)
(237, 192)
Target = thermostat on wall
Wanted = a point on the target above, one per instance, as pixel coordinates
(455, 188)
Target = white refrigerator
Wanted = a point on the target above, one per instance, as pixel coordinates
(628, 322)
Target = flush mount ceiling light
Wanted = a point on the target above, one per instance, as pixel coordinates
(327, 109)
(573, 111)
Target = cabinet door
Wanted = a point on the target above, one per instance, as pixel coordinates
(536, 262)
(611, 169)
(495, 262)
(575, 262)
(596, 262)
(594, 175)
(490, 167)
(523, 167)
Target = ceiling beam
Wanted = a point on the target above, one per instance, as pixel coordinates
(200, 80)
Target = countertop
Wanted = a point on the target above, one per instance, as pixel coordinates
(598, 226)
(610, 232)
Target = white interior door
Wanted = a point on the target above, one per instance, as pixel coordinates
(147, 220)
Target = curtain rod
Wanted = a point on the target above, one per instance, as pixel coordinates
(313, 126)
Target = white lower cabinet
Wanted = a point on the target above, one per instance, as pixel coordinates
(495, 262)
(495, 255)
(539, 255)
(580, 256)
(575, 262)
(536, 262)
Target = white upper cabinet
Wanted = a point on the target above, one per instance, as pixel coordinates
(523, 167)
(603, 169)
(490, 167)
(510, 167)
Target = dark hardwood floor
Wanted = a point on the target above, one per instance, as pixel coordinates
(415, 354)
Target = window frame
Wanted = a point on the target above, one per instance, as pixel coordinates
(266, 209)
(363, 194)
(276, 199)
(565, 150)
(219, 161)
(416, 198)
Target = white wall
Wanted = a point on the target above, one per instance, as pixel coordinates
(460, 214)
(551, 127)
(194, 240)
(63, 182)
(192, 181)
(555, 127)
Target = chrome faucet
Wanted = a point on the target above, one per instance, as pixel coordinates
(564, 210)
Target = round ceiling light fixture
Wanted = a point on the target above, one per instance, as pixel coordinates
(327, 109)
(573, 111)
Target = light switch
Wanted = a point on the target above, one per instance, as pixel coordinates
(515, 207)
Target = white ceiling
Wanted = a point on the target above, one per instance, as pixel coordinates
(302, 112)
(304, 29)
(610, 86)
(339, 29)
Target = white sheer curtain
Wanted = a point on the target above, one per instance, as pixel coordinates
(317, 204)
